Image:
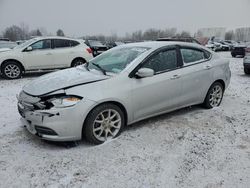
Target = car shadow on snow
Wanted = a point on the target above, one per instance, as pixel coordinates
(51, 145)
(149, 122)
(244, 75)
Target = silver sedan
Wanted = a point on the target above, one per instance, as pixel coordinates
(122, 86)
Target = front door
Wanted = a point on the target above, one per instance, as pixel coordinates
(40, 57)
(161, 92)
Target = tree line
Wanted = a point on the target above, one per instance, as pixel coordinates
(22, 32)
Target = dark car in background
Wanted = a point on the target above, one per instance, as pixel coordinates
(114, 44)
(180, 39)
(4, 39)
(238, 50)
(96, 46)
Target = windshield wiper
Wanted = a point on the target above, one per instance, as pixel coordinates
(99, 67)
(87, 66)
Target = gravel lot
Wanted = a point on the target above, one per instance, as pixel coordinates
(191, 147)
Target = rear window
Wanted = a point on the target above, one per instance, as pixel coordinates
(60, 43)
(190, 55)
(95, 43)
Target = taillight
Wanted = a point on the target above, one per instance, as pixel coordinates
(247, 49)
(89, 50)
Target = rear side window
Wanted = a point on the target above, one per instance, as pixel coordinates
(190, 56)
(61, 43)
(74, 43)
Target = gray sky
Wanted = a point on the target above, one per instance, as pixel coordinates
(87, 17)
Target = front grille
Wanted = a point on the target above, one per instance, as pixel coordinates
(46, 131)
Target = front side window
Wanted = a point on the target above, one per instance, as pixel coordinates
(41, 45)
(192, 55)
(163, 61)
(61, 43)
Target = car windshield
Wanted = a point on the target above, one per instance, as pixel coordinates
(95, 43)
(117, 59)
(25, 43)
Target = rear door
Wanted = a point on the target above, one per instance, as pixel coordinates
(63, 51)
(160, 92)
(196, 75)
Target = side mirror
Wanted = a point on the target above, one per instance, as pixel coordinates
(145, 72)
(28, 49)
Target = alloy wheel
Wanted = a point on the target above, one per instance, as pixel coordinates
(107, 125)
(77, 63)
(215, 96)
(12, 71)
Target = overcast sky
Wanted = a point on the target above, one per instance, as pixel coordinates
(87, 17)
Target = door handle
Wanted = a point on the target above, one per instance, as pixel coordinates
(49, 53)
(175, 77)
(208, 67)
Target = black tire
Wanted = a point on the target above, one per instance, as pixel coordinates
(77, 62)
(207, 103)
(10, 66)
(246, 70)
(88, 127)
(233, 55)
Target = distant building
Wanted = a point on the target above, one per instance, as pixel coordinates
(218, 32)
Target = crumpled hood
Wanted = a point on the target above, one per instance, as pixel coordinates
(61, 80)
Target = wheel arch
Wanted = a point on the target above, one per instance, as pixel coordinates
(7, 60)
(120, 105)
(81, 58)
(221, 82)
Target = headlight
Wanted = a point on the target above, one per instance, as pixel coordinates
(64, 101)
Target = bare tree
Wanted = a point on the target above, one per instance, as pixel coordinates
(185, 34)
(60, 33)
(14, 33)
(35, 32)
(229, 35)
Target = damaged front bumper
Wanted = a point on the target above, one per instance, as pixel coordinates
(62, 124)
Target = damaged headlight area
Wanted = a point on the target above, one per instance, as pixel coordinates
(61, 101)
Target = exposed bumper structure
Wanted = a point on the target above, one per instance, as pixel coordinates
(63, 124)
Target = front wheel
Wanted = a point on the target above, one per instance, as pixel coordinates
(214, 96)
(103, 123)
(11, 70)
(78, 62)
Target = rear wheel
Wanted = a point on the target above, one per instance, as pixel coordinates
(214, 95)
(78, 62)
(11, 70)
(233, 55)
(247, 71)
(103, 123)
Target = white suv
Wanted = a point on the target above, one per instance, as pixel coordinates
(43, 53)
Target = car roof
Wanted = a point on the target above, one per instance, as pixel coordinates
(159, 44)
(54, 37)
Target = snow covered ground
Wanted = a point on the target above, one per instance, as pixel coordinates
(192, 147)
